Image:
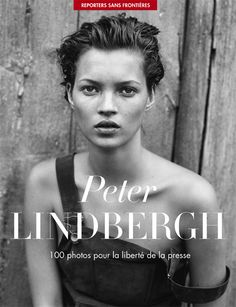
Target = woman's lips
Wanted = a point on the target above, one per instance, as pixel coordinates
(107, 127)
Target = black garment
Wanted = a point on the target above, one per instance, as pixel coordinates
(116, 282)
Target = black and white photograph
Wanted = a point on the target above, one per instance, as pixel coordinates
(117, 153)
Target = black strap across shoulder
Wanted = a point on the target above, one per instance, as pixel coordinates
(66, 183)
(198, 295)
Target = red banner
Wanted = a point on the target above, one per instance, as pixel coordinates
(115, 5)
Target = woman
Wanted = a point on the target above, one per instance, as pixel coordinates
(111, 69)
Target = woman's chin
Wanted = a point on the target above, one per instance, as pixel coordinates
(108, 143)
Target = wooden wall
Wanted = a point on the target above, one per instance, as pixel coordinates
(192, 123)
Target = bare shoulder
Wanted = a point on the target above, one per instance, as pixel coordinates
(43, 174)
(41, 185)
(185, 187)
(195, 193)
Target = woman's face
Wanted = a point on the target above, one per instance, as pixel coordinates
(109, 96)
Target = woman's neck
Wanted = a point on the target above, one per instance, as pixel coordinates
(118, 164)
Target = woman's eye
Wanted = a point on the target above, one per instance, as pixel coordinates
(128, 91)
(89, 90)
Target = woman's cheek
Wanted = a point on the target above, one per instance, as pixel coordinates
(83, 106)
(137, 113)
(82, 117)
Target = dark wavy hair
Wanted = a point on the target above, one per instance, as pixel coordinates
(111, 33)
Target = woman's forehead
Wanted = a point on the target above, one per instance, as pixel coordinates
(118, 64)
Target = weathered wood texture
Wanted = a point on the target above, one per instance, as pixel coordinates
(194, 83)
(35, 121)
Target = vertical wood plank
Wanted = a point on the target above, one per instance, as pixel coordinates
(35, 120)
(219, 165)
(46, 116)
(159, 122)
(194, 83)
(11, 45)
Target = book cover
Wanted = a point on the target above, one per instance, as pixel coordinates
(188, 118)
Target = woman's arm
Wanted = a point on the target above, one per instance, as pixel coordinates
(43, 273)
(207, 263)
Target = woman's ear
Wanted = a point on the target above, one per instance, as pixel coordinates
(150, 101)
(69, 96)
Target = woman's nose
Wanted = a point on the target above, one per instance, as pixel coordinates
(107, 105)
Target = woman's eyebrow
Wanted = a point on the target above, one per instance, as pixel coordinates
(126, 82)
(90, 81)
